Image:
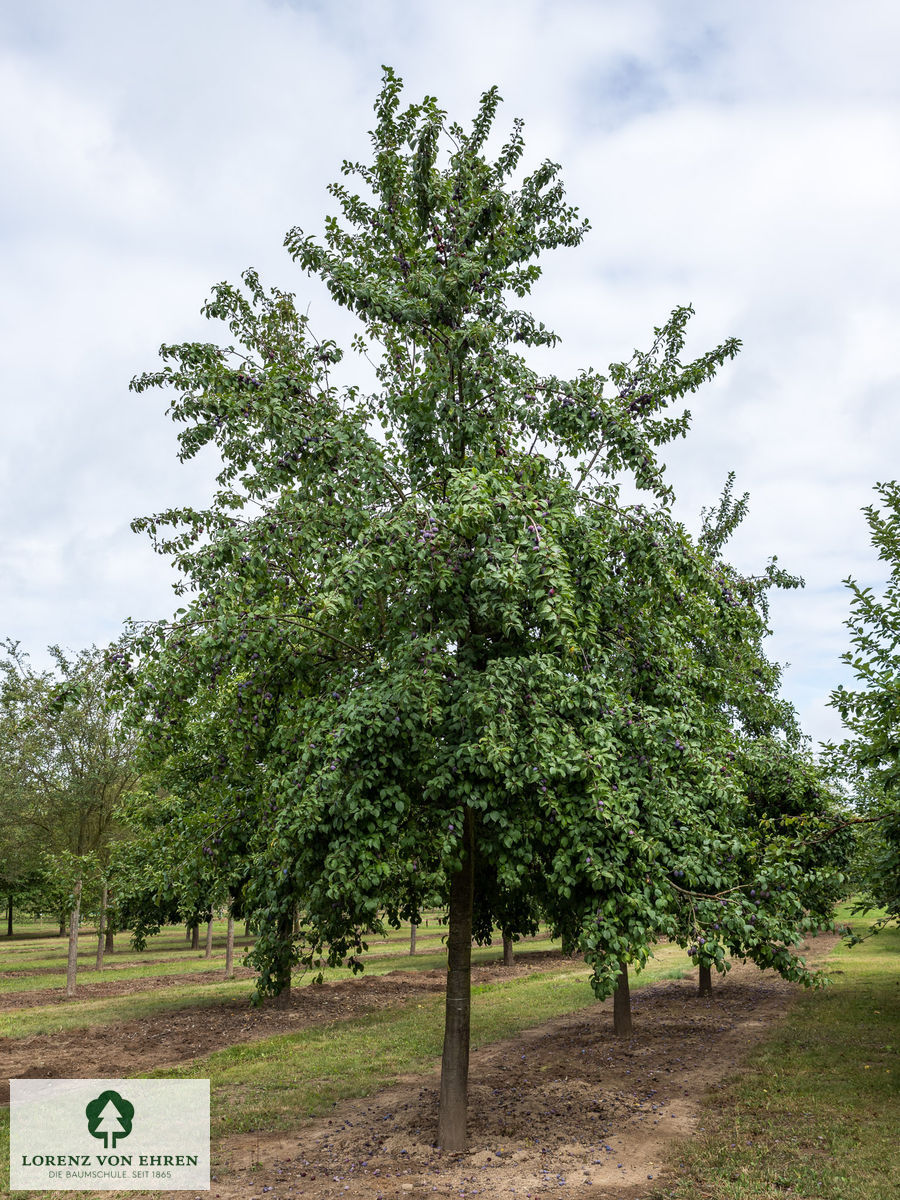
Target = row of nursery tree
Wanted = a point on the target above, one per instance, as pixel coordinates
(427, 650)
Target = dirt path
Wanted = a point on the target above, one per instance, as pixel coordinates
(128, 1048)
(563, 1108)
(107, 988)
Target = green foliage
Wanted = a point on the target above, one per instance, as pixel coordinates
(161, 874)
(428, 600)
(787, 870)
(871, 756)
(65, 766)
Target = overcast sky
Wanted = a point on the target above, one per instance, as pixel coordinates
(742, 158)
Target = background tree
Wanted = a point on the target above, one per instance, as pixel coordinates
(422, 615)
(65, 767)
(774, 880)
(872, 714)
(23, 880)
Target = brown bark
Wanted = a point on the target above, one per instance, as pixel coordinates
(209, 932)
(229, 947)
(412, 937)
(455, 1058)
(195, 937)
(508, 954)
(72, 964)
(110, 939)
(283, 967)
(9, 916)
(62, 924)
(246, 929)
(101, 930)
(622, 1004)
(705, 980)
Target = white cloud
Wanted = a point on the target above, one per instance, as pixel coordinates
(745, 159)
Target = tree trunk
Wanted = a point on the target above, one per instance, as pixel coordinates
(412, 937)
(283, 967)
(110, 946)
(455, 1059)
(229, 947)
(72, 965)
(62, 924)
(101, 930)
(705, 980)
(9, 910)
(195, 936)
(187, 932)
(208, 951)
(246, 928)
(622, 1004)
(508, 955)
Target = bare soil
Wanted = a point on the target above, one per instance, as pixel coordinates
(563, 1108)
(37, 997)
(167, 1039)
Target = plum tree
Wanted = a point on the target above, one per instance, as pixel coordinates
(65, 765)
(784, 876)
(442, 656)
(778, 879)
(871, 712)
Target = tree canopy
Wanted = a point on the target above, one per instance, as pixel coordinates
(64, 762)
(871, 711)
(425, 646)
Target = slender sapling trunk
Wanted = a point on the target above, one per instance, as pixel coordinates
(455, 1059)
(110, 938)
(508, 954)
(74, 919)
(195, 936)
(9, 915)
(101, 930)
(412, 937)
(229, 947)
(209, 930)
(622, 1004)
(283, 968)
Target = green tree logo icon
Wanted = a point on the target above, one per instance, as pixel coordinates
(109, 1117)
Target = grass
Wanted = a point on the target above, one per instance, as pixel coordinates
(32, 950)
(269, 1084)
(156, 969)
(814, 1118)
(104, 1010)
(818, 1115)
(272, 1083)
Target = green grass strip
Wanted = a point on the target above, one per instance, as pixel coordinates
(273, 1083)
(94, 1012)
(39, 983)
(817, 1118)
(269, 1084)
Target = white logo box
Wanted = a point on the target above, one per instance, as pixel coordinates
(109, 1134)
